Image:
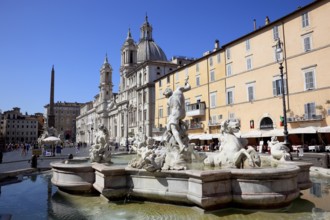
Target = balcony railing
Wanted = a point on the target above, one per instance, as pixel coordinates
(195, 125)
(305, 117)
(196, 109)
(214, 123)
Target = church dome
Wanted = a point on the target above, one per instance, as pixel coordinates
(149, 50)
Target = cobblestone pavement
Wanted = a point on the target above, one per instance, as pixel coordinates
(13, 161)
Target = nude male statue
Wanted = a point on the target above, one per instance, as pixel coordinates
(176, 102)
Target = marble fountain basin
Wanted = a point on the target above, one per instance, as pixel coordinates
(73, 175)
(209, 189)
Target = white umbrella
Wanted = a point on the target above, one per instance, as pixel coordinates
(252, 134)
(273, 132)
(194, 136)
(51, 140)
(324, 129)
(305, 130)
(205, 137)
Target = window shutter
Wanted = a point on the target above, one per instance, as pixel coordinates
(274, 88)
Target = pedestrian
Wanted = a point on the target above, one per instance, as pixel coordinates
(23, 150)
(77, 148)
(1, 155)
(34, 161)
(27, 148)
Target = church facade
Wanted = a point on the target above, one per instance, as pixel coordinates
(132, 109)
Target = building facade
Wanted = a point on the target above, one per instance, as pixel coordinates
(241, 80)
(18, 128)
(65, 118)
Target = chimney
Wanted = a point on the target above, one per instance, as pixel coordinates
(254, 24)
(267, 21)
(216, 44)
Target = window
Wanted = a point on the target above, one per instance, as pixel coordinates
(144, 96)
(212, 77)
(160, 83)
(160, 112)
(309, 110)
(307, 43)
(250, 91)
(187, 103)
(198, 80)
(214, 119)
(305, 20)
(309, 79)
(145, 115)
(247, 45)
(228, 53)
(168, 79)
(160, 93)
(277, 86)
(230, 96)
(198, 98)
(277, 56)
(211, 61)
(140, 97)
(275, 32)
(218, 58)
(176, 76)
(228, 68)
(248, 63)
(232, 116)
(197, 67)
(213, 97)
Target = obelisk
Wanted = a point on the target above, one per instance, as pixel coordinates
(51, 115)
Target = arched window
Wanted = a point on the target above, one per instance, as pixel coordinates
(266, 123)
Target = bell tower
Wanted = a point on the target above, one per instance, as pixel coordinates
(128, 58)
(105, 81)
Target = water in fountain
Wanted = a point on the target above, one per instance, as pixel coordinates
(36, 198)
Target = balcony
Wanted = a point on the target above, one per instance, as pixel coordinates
(214, 123)
(196, 109)
(196, 125)
(305, 118)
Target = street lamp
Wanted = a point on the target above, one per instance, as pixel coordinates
(127, 147)
(92, 134)
(89, 135)
(280, 59)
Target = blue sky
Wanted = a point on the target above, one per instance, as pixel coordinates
(75, 35)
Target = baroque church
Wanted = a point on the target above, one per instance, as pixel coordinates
(132, 109)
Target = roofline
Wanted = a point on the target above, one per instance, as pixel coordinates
(242, 37)
(274, 22)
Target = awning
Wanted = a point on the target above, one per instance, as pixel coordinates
(205, 137)
(252, 134)
(158, 138)
(273, 132)
(324, 129)
(194, 136)
(216, 136)
(305, 130)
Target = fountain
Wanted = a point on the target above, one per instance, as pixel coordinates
(165, 174)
